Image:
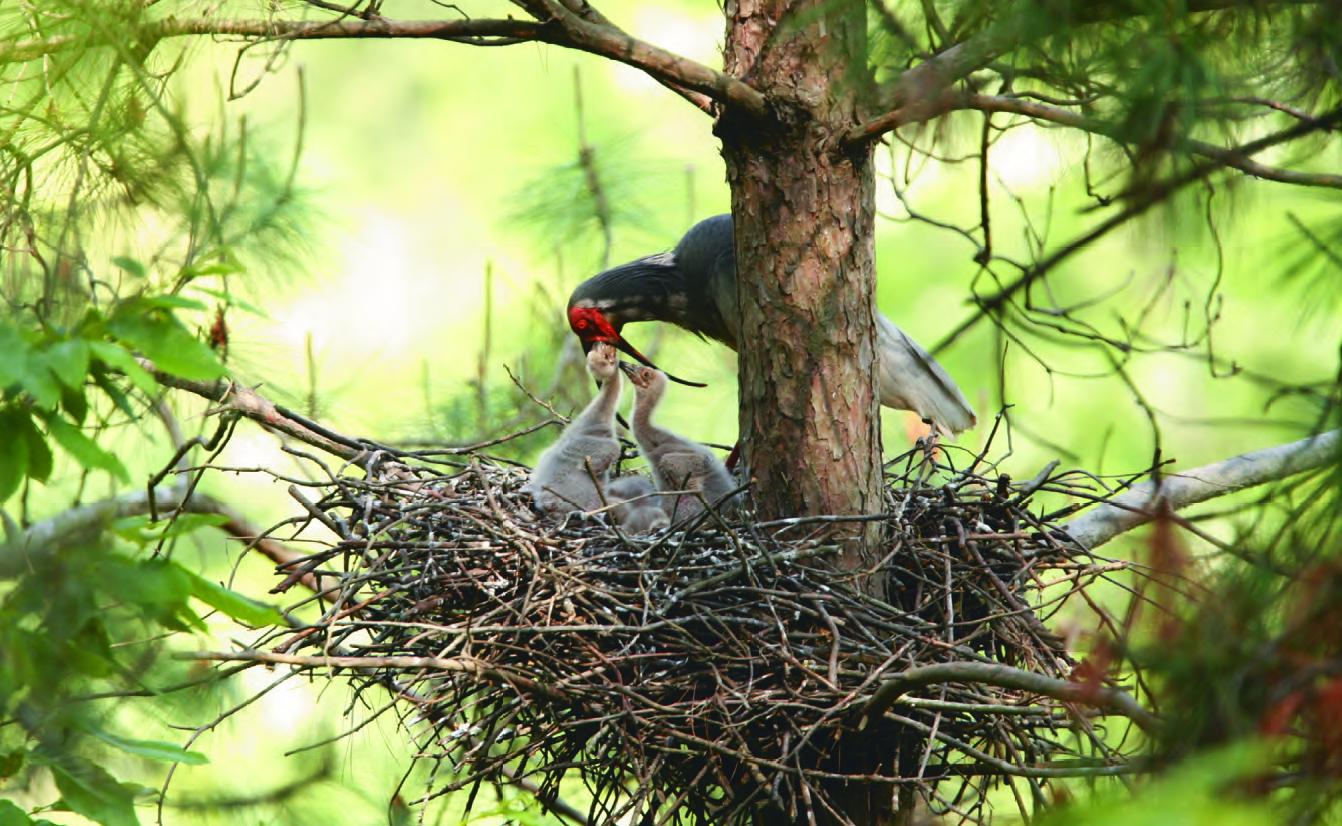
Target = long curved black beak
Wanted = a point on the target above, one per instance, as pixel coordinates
(625, 347)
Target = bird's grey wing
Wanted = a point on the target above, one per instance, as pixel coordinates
(562, 480)
(681, 469)
(911, 379)
(600, 454)
(722, 293)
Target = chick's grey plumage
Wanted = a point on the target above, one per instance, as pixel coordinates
(561, 482)
(633, 505)
(676, 463)
(694, 287)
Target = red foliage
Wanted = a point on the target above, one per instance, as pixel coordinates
(219, 331)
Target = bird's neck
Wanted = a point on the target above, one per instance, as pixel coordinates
(645, 404)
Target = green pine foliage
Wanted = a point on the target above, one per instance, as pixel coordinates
(124, 225)
(130, 218)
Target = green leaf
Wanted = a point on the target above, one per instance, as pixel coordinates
(75, 403)
(41, 383)
(10, 763)
(158, 588)
(130, 265)
(119, 358)
(13, 450)
(114, 393)
(162, 339)
(13, 356)
(11, 815)
(85, 450)
(89, 651)
(92, 792)
(217, 268)
(39, 454)
(232, 301)
(173, 302)
(241, 608)
(150, 749)
(69, 360)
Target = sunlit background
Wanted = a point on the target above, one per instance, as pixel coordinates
(448, 220)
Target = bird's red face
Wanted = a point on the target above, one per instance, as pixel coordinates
(591, 325)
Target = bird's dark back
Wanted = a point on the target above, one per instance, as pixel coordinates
(706, 257)
(707, 253)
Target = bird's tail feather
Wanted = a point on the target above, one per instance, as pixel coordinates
(912, 380)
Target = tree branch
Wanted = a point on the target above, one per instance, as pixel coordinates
(1004, 676)
(456, 665)
(919, 92)
(1232, 158)
(467, 31)
(687, 77)
(86, 522)
(258, 408)
(1149, 197)
(1146, 501)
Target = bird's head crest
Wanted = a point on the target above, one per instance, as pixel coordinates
(591, 325)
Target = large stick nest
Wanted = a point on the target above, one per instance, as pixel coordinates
(723, 668)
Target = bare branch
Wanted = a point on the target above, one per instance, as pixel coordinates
(1004, 676)
(459, 665)
(1149, 197)
(1232, 158)
(919, 93)
(691, 79)
(85, 523)
(254, 406)
(1146, 501)
(467, 31)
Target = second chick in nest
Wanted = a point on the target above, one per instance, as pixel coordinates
(676, 463)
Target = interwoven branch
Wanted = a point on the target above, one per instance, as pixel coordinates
(724, 665)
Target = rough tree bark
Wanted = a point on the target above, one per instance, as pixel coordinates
(803, 206)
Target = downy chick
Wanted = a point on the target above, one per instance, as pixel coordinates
(676, 462)
(561, 482)
(642, 516)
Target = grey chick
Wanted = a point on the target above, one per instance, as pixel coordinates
(562, 482)
(676, 463)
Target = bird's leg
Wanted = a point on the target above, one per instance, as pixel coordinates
(733, 457)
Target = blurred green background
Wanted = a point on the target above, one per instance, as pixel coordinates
(445, 217)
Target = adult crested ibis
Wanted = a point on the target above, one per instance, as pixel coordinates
(694, 286)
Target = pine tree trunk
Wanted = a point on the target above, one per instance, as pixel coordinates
(804, 209)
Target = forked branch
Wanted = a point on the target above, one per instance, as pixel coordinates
(921, 92)
(1231, 157)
